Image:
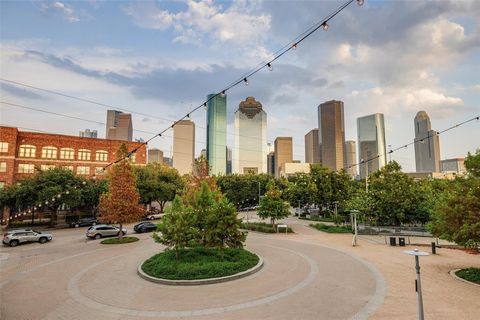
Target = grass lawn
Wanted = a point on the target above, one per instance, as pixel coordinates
(264, 227)
(117, 241)
(199, 263)
(331, 229)
(470, 274)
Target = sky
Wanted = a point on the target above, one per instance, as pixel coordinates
(160, 59)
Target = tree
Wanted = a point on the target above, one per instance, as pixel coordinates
(177, 228)
(272, 205)
(157, 182)
(243, 190)
(121, 203)
(301, 190)
(472, 164)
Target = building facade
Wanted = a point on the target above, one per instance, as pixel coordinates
(312, 145)
(456, 165)
(184, 146)
(283, 154)
(271, 163)
(351, 156)
(23, 153)
(372, 150)
(250, 149)
(292, 168)
(88, 134)
(119, 126)
(331, 135)
(427, 145)
(155, 156)
(229, 169)
(217, 133)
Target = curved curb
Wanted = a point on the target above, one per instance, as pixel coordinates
(453, 274)
(232, 277)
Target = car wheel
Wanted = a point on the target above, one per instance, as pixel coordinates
(42, 240)
(13, 243)
(97, 236)
(77, 225)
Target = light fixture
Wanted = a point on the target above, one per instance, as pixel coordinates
(360, 2)
(84, 182)
(325, 26)
(223, 93)
(270, 67)
(294, 46)
(46, 202)
(67, 192)
(246, 81)
(53, 199)
(59, 195)
(188, 116)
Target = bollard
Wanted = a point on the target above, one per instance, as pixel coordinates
(434, 248)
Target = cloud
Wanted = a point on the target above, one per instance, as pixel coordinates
(66, 11)
(19, 92)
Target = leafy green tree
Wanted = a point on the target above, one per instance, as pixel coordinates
(272, 205)
(121, 203)
(472, 164)
(301, 190)
(243, 190)
(177, 228)
(158, 182)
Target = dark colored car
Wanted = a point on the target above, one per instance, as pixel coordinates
(83, 222)
(145, 226)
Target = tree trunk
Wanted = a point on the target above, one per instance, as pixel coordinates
(177, 254)
(120, 234)
(162, 205)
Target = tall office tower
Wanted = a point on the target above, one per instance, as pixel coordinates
(283, 153)
(271, 163)
(203, 153)
(168, 161)
(88, 134)
(155, 156)
(351, 154)
(371, 143)
(229, 161)
(217, 133)
(331, 135)
(427, 145)
(184, 146)
(312, 152)
(250, 138)
(119, 126)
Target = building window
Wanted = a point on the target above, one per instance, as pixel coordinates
(99, 170)
(68, 168)
(49, 153)
(27, 151)
(3, 167)
(3, 146)
(26, 168)
(83, 170)
(67, 154)
(101, 155)
(44, 167)
(83, 154)
(2, 185)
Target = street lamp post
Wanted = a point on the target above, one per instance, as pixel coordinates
(418, 284)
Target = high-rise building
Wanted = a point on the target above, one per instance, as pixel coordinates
(312, 152)
(168, 161)
(427, 145)
(184, 146)
(88, 134)
(217, 133)
(283, 154)
(250, 138)
(271, 163)
(229, 161)
(119, 126)
(331, 135)
(203, 153)
(351, 155)
(155, 156)
(372, 151)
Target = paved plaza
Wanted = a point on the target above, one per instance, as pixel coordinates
(307, 275)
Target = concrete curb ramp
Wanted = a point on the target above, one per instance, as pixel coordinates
(232, 277)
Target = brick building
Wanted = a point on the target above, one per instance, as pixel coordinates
(21, 153)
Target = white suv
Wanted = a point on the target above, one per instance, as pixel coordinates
(15, 237)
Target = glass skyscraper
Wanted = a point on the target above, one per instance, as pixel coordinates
(371, 143)
(217, 133)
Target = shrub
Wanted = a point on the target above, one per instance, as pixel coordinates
(330, 228)
(263, 227)
(469, 274)
(119, 240)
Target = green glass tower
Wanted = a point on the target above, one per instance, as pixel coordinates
(217, 133)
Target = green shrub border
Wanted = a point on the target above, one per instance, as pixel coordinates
(263, 227)
(117, 240)
(331, 228)
(469, 274)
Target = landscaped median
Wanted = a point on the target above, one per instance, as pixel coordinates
(200, 265)
(331, 228)
(119, 241)
(263, 227)
(471, 275)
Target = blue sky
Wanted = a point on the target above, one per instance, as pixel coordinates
(162, 58)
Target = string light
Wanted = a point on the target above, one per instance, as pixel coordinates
(270, 67)
(246, 81)
(360, 2)
(325, 26)
(294, 46)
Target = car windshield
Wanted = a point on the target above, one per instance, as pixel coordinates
(36, 231)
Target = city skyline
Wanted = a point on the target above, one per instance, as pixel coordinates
(371, 143)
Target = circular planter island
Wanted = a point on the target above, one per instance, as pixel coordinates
(198, 266)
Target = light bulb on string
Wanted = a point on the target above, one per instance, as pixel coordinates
(270, 67)
(294, 46)
(205, 106)
(67, 192)
(246, 81)
(360, 2)
(222, 94)
(325, 26)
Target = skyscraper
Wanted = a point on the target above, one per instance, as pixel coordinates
(88, 134)
(229, 161)
(250, 149)
(283, 153)
(351, 156)
(271, 163)
(331, 135)
(155, 156)
(119, 126)
(217, 133)
(312, 152)
(371, 143)
(184, 146)
(427, 145)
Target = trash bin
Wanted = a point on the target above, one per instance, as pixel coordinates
(401, 241)
(393, 241)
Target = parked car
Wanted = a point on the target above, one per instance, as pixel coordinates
(83, 222)
(104, 230)
(145, 226)
(154, 215)
(15, 237)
